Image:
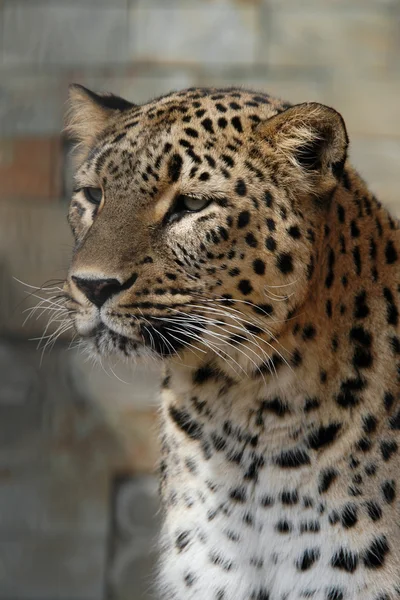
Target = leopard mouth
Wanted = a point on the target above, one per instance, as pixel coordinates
(107, 341)
(157, 339)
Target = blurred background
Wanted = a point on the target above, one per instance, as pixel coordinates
(78, 444)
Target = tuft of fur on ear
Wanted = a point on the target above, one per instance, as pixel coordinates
(89, 113)
(312, 137)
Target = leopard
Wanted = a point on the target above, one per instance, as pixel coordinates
(225, 233)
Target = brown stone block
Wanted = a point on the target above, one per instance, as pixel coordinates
(30, 168)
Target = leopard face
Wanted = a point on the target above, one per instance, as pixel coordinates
(197, 218)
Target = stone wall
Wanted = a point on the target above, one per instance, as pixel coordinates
(78, 445)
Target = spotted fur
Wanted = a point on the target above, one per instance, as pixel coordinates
(274, 307)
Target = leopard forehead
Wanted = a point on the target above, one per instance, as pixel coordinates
(201, 125)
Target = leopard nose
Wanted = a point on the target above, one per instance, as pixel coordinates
(97, 291)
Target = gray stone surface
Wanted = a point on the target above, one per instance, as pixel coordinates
(378, 160)
(59, 33)
(65, 431)
(52, 567)
(193, 32)
(370, 106)
(131, 571)
(30, 104)
(346, 38)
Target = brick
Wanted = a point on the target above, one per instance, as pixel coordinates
(56, 33)
(30, 168)
(204, 33)
(377, 160)
(52, 567)
(347, 39)
(30, 105)
(369, 105)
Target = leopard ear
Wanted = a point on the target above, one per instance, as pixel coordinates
(89, 113)
(311, 135)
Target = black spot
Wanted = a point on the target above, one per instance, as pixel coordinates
(283, 526)
(395, 344)
(245, 287)
(369, 423)
(275, 406)
(360, 335)
(309, 332)
(370, 470)
(308, 558)
(296, 358)
(259, 266)
(175, 167)
(222, 122)
(374, 510)
(260, 594)
(388, 448)
(237, 124)
(341, 213)
(392, 311)
(334, 594)
(289, 497)
(292, 459)
(355, 232)
(243, 219)
(389, 490)
(240, 187)
(361, 309)
(218, 560)
(204, 373)
(271, 224)
(185, 423)
(357, 259)
(390, 252)
(270, 243)
(182, 540)
(348, 395)
(326, 478)
(311, 404)
(394, 421)
(345, 560)
(191, 132)
(323, 436)
(388, 400)
(362, 358)
(364, 444)
(310, 527)
(263, 309)
(238, 494)
(266, 501)
(189, 579)
(284, 262)
(251, 240)
(348, 516)
(268, 198)
(374, 556)
(294, 232)
(208, 126)
(328, 308)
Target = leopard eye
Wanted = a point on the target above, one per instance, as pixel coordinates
(93, 195)
(194, 204)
